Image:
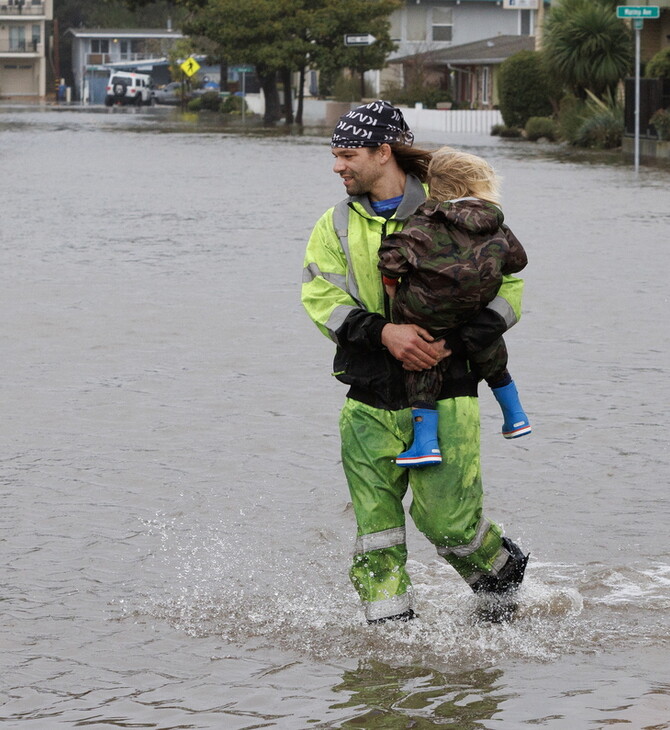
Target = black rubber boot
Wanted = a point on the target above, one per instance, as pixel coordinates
(497, 605)
(511, 574)
(405, 616)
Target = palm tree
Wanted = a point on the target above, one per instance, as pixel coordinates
(587, 47)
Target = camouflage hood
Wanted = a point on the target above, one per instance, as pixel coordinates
(468, 214)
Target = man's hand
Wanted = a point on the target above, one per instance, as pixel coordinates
(414, 346)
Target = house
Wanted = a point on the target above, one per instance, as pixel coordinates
(23, 66)
(431, 25)
(469, 71)
(428, 32)
(97, 50)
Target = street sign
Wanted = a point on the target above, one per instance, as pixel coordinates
(520, 4)
(638, 11)
(242, 69)
(353, 39)
(190, 66)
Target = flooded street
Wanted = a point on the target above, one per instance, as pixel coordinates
(175, 524)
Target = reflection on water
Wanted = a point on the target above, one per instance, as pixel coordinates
(176, 526)
(385, 697)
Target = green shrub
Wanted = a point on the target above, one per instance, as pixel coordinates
(233, 105)
(195, 105)
(524, 88)
(510, 132)
(211, 101)
(659, 65)
(571, 114)
(348, 88)
(429, 96)
(496, 129)
(602, 130)
(661, 122)
(541, 127)
(603, 125)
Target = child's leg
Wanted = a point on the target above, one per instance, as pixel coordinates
(423, 388)
(491, 365)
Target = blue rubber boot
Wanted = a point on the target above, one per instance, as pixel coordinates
(516, 421)
(425, 450)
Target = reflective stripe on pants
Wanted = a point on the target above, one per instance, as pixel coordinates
(446, 499)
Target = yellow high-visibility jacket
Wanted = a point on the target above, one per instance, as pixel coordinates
(342, 293)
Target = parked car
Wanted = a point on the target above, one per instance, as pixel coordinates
(170, 94)
(124, 88)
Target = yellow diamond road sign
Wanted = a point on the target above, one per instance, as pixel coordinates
(190, 66)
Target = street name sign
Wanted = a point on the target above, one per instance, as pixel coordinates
(190, 66)
(242, 69)
(360, 39)
(638, 11)
(520, 4)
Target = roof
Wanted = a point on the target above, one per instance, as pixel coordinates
(124, 33)
(488, 51)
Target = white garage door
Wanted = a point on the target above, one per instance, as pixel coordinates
(18, 79)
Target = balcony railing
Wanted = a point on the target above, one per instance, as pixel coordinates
(20, 46)
(102, 59)
(26, 8)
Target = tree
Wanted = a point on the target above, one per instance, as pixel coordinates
(524, 88)
(586, 46)
(659, 65)
(285, 36)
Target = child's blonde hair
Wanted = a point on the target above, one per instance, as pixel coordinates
(453, 174)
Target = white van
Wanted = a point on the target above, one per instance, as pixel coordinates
(129, 88)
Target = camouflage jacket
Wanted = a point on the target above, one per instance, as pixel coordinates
(450, 259)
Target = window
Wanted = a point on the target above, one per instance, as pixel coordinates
(416, 23)
(442, 24)
(99, 46)
(525, 22)
(17, 38)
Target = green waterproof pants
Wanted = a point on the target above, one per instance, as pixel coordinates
(447, 500)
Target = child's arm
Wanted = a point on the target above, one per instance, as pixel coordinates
(516, 258)
(390, 285)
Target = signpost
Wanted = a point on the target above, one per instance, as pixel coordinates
(189, 67)
(361, 40)
(243, 71)
(638, 13)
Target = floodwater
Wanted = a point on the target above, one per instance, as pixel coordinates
(175, 526)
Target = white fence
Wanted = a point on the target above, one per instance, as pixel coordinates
(452, 121)
(447, 121)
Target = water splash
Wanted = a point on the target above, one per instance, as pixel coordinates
(221, 582)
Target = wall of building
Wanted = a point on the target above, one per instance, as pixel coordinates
(419, 26)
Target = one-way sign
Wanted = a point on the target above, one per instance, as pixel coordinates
(359, 39)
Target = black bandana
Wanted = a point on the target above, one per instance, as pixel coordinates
(371, 125)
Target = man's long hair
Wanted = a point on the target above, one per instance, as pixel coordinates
(412, 160)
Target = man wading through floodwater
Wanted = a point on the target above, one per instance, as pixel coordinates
(343, 294)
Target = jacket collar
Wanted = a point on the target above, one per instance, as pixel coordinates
(414, 195)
